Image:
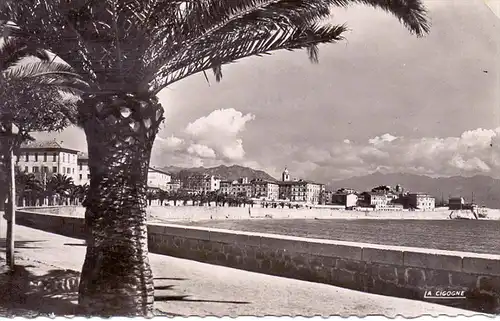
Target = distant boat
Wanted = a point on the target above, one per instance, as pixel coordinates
(482, 212)
(465, 214)
(460, 215)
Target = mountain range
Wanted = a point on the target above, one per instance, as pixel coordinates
(224, 172)
(480, 189)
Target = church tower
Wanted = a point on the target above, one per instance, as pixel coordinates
(285, 176)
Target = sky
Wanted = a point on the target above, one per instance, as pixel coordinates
(382, 100)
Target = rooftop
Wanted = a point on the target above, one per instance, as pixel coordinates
(154, 169)
(51, 144)
(299, 182)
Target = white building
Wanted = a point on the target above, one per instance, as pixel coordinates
(46, 158)
(299, 190)
(158, 179)
(266, 190)
(83, 170)
(346, 199)
(421, 201)
(202, 183)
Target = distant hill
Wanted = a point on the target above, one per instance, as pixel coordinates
(486, 189)
(224, 172)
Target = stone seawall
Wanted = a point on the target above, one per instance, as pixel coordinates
(388, 270)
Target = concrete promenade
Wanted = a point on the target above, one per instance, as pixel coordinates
(186, 287)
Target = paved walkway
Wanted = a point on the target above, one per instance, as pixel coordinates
(191, 288)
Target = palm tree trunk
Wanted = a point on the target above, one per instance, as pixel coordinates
(116, 276)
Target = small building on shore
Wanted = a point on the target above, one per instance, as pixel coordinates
(347, 199)
(421, 201)
(456, 203)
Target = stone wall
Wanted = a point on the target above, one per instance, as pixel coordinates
(388, 270)
(63, 225)
(195, 213)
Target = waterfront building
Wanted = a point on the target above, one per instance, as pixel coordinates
(226, 187)
(375, 199)
(299, 190)
(242, 188)
(421, 201)
(46, 158)
(347, 199)
(158, 179)
(265, 190)
(83, 169)
(202, 183)
(174, 185)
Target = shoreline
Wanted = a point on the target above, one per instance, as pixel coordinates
(191, 213)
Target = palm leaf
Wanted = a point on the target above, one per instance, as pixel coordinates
(252, 45)
(57, 75)
(144, 45)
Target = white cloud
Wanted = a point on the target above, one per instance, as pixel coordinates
(227, 121)
(386, 138)
(170, 142)
(473, 152)
(207, 141)
(201, 151)
(220, 131)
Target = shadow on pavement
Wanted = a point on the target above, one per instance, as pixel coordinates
(20, 244)
(75, 244)
(23, 293)
(55, 293)
(185, 298)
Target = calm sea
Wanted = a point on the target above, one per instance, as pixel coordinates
(480, 236)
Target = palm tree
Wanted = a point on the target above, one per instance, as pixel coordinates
(162, 196)
(128, 52)
(28, 188)
(60, 185)
(83, 190)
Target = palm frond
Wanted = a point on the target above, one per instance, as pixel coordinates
(411, 13)
(12, 50)
(39, 68)
(145, 45)
(213, 55)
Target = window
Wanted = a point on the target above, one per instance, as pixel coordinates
(26, 169)
(44, 157)
(54, 157)
(54, 169)
(72, 170)
(35, 169)
(68, 170)
(88, 176)
(64, 157)
(64, 170)
(81, 167)
(27, 157)
(36, 157)
(81, 176)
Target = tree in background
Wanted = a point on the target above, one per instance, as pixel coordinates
(162, 196)
(128, 52)
(60, 185)
(28, 188)
(31, 97)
